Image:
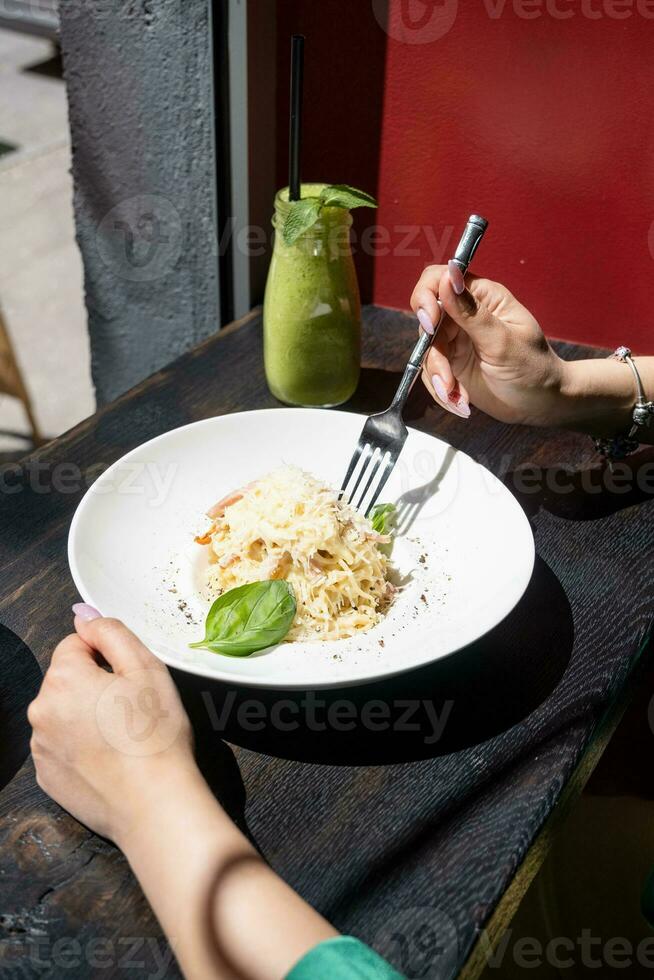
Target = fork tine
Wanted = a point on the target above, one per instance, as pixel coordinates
(390, 465)
(356, 455)
(368, 453)
(373, 469)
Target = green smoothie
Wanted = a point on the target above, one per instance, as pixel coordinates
(312, 310)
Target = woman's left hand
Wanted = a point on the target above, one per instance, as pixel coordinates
(115, 749)
(104, 743)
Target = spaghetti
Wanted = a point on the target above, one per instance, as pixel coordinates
(289, 525)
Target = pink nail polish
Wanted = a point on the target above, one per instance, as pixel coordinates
(425, 321)
(460, 405)
(85, 612)
(456, 277)
(439, 388)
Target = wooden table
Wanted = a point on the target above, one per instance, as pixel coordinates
(421, 849)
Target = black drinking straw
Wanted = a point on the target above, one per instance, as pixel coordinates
(295, 140)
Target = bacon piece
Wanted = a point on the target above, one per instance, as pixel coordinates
(206, 537)
(219, 509)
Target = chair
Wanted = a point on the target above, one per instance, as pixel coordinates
(28, 17)
(11, 381)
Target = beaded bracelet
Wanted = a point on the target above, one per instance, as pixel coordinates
(623, 445)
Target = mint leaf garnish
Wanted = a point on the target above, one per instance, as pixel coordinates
(303, 214)
(344, 196)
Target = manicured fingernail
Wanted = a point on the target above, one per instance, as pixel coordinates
(460, 405)
(425, 321)
(439, 388)
(85, 612)
(456, 277)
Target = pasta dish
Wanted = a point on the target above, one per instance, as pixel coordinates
(288, 525)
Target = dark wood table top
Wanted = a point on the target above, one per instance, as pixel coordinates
(420, 849)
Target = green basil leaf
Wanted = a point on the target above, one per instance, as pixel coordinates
(383, 518)
(302, 215)
(249, 618)
(344, 196)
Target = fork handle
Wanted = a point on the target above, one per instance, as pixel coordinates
(472, 235)
(414, 366)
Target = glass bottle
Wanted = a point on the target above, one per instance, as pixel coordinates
(312, 310)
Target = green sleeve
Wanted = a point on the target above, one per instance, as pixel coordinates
(343, 958)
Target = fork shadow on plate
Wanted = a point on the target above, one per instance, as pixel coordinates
(459, 701)
(410, 504)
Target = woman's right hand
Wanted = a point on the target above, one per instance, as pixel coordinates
(489, 352)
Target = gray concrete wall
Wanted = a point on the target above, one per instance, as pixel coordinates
(140, 91)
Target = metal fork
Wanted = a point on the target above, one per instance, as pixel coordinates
(384, 434)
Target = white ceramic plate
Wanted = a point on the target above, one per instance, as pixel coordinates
(464, 548)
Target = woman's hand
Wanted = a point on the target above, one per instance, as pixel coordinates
(104, 743)
(489, 352)
(115, 750)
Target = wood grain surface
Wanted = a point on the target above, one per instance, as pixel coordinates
(420, 847)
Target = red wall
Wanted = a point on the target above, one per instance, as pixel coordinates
(542, 123)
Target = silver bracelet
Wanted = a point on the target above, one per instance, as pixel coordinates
(641, 417)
